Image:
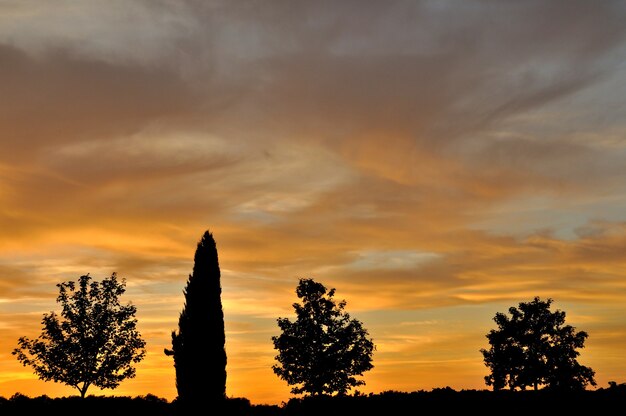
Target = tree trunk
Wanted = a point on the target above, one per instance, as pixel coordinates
(83, 390)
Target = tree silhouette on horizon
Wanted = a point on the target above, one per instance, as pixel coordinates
(533, 347)
(94, 341)
(199, 346)
(323, 350)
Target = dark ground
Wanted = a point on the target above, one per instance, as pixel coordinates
(436, 402)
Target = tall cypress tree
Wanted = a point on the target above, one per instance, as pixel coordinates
(199, 346)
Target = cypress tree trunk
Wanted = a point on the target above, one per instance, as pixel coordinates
(199, 347)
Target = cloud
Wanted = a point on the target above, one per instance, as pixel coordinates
(138, 32)
(59, 99)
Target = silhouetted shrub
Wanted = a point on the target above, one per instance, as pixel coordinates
(442, 401)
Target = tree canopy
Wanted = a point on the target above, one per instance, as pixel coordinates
(323, 350)
(94, 342)
(534, 347)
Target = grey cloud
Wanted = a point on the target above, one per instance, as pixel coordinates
(395, 63)
(61, 99)
(401, 84)
(335, 70)
(118, 31)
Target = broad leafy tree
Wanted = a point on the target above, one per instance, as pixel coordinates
(93, 342)
(323, 350)
(533, 347)
(199, 346)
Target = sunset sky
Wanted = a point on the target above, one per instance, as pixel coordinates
(434, 161)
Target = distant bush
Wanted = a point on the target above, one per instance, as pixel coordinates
(22, 405)
(388, 403)
(446, 401)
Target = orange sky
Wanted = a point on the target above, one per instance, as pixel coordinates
(435, 162)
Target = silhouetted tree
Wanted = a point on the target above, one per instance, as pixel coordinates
(199, 346)
(323, 349)
(534, 348)
(94, 342)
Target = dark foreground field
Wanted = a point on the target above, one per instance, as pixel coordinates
(436, 402)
